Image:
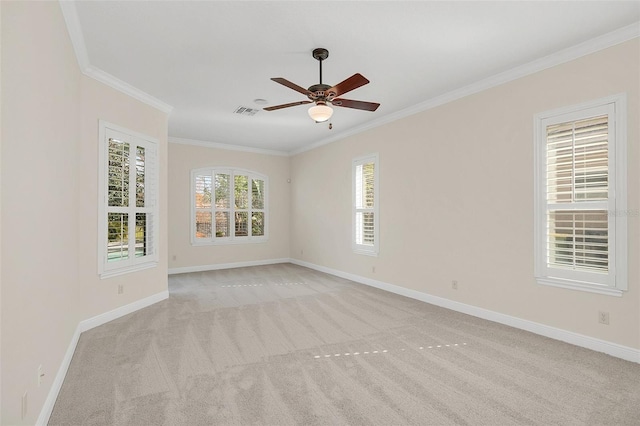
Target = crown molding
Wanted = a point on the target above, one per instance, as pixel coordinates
(569, 54)
(70, 14)
(74, 28)
(228, 147)
(126, 88)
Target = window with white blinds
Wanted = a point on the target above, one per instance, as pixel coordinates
(365, 205)
(580, 194)
(228, 206)
(128, 230)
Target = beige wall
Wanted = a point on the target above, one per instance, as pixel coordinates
(40, 132)
(0, 214)
(183, 159)
(49, 278)
(100, 102)
(456, 199)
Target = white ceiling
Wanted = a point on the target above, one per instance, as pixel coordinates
(206, 58)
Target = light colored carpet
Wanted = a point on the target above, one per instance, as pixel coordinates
(285, 345)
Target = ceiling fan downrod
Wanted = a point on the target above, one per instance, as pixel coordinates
(320, 54)
(318, 90)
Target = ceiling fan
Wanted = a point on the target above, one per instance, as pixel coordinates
(323, 94)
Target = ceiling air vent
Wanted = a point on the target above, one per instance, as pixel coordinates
(246, 111)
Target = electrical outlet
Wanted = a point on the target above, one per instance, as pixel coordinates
(603, 317)
(373, 269)
(120, 288)
(301, 252)
(174, 257)
(454, 284)
(40, 375)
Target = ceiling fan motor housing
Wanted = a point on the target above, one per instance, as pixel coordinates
(319, 92)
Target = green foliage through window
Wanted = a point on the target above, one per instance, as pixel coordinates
(238, 210)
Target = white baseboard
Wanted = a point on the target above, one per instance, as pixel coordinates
(85, 325)
(47, 408)
(104, 318)
(214, 267)
(613, 349)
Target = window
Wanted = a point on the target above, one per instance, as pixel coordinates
(228, 206)
(365, 205)
(581, 224)
(128, 224)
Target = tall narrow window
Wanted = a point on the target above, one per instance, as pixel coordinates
(229, 206)
(128, 201)
(581, 197)
(365, 205)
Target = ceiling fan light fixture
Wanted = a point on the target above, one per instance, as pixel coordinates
(320, 113)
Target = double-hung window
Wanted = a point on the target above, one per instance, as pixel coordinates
(365, 239)
(228, 206)
(581, 232)
(128, 201)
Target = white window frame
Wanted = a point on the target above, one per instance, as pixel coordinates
(151, 258)
(232, 239)
(615, 281)
(366, 249)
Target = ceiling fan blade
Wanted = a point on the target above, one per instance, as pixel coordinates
(348, 85)
(273, 108)
(291, 85)
(348, 103)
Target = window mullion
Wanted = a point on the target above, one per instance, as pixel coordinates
(573, 162)
(573, 241)
(249, 204)
(214, 207)
(581, 205)
(232, 204)
(133, 151)
(613, 200)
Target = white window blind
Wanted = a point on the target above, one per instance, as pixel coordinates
(577, 173)
(128, 201)
(229, 206)
(580, 192)
(365, 205)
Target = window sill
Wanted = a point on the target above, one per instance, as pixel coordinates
(366, 252)
(224, 242)
(579, 285)
(128, 269)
